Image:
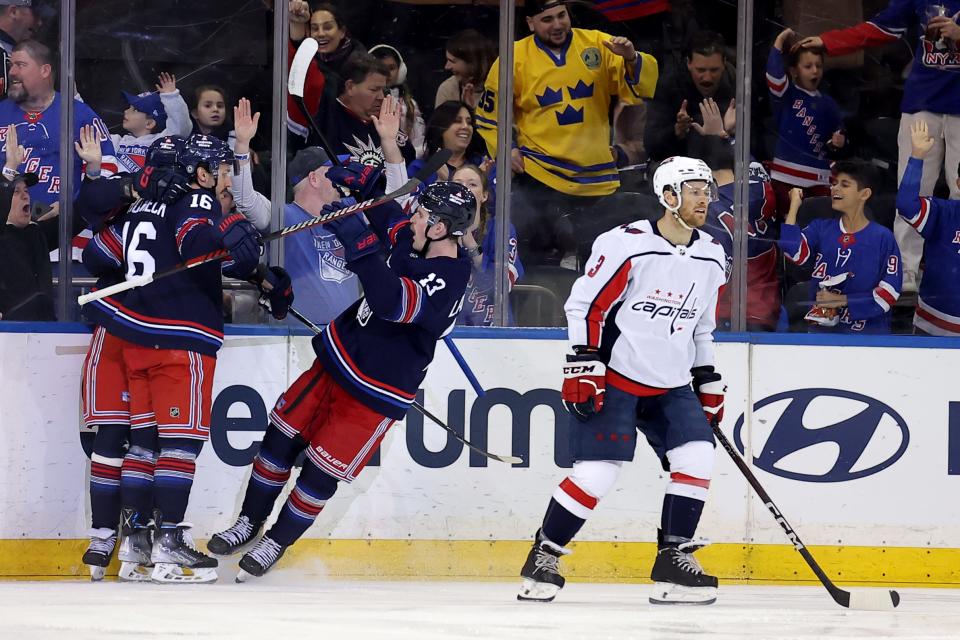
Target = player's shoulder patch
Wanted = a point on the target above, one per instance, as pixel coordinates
(626, 228)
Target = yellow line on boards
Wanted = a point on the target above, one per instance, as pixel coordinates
(502, 559)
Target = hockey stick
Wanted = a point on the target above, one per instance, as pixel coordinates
(467, 371)
(419, 407)
(428, 169)
(868, 600)
(296, 80)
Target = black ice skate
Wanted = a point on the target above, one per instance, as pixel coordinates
(134, 553)
(678, 577)
(541, 572)
(97, 555)
(260, 559)
(232, 540)
(176, 560)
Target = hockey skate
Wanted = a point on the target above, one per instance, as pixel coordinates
(134, 555)
(232, 540)
(97, 555)
(260, 559)
(541, 572)
(678, 578)
(177, 560)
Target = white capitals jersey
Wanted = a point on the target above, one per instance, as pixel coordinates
(650, 306)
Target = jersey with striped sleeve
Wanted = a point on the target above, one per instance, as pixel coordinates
(103, 258)
(39, 134)
(870, 258)
(934, 80)
(562, 109)
(805, 122)
(649, 305)
(938, 221)
(181, 311)
(379, 348)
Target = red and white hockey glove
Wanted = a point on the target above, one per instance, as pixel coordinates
(708, 384)
(584, 382)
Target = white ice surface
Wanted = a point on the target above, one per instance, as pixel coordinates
(289, 605)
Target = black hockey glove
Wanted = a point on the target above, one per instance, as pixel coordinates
(352, 231)
(243, 241)
(161, 184)
(276, 290)
(584, 383)
(357, 179)
(709, 387)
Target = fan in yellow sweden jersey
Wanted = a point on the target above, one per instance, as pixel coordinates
(565, 81)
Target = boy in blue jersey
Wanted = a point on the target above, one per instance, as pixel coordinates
(370, 361)
(938, 221)
(857, 273)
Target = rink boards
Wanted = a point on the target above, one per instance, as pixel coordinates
(859, 447)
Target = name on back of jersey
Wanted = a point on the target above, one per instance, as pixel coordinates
(148, 206)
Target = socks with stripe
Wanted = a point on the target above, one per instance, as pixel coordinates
(173, 480)
(106, 463)
(136, 479)
(314, 487)
(271, 470)
(559, 524)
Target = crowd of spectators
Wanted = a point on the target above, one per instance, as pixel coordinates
(601, 95)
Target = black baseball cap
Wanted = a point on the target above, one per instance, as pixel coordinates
(306, 161)
(535, 7)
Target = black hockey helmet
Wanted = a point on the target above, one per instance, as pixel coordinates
(450, 202)
(208, 151)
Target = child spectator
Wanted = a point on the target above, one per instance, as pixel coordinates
(857, 274)
(938, 221)
(147, 117)
(808, 121)
(411, 119)
(210, 113)
(469, 56)
(480, 243)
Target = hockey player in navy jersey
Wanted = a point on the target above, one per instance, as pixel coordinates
(938, 221)
(857, 273)
(171, 330)
(641, 324)
(370, 361)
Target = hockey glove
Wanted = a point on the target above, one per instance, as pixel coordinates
(278, 295)
(352, 231)
(242, 240)
(708, 384)
(355, 178)
(584, 383)
(164, 184)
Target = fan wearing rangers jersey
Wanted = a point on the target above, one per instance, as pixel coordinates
(938, 221)
(856, 273)
(370, 362)
(641, 324)
(931, 93)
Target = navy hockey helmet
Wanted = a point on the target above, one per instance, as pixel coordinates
(207, 151)
(450, 202)
(166, 151)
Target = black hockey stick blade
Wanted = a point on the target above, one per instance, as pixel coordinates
(862, 599)
(508, 459)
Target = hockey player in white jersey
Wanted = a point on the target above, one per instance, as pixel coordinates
(641, 323)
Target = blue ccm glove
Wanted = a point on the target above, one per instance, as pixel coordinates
(357, 238)
(358, 179)
(279, 297)
(243, 241)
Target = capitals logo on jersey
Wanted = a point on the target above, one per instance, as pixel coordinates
(673, 305)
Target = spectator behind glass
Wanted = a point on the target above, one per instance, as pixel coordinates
(210, 113)
(33, 107)
(314, 258)
(670, 127)
(809, 123)
(450, 127)
(856, 274)
(147, 117)
(411, 118)
(938, 221)
(469, 56)
(334, 43)
(569, 77)
(18, 22)
(479, 242)
(347, 122)
(931, 93)
(26, 282)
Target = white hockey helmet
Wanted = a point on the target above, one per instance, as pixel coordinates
(676, 170)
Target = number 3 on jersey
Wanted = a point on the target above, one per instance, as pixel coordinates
(139, 261)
